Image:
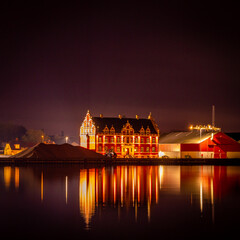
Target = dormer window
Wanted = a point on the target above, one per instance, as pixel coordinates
(112, 130)
(147, 131)
(106, 130)
(142, 131)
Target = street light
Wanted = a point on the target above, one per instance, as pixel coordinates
(42, 138)
(207, 128)
(66, 138)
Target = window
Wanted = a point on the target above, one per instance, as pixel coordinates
(147, 131)
(153, 149)
(147, 149)
(99, 148)
(17, 146)
(142, 140)
(127, 139)
(106, 139)
(148, 140)
(153, 140)
(142, 131)
(136, 140)
(135, 149)
(142, 149)
(118, 149)
(112, 141)
(118, 139)
(100, 139)
(106, 130)
(106, 148)
(112, 130)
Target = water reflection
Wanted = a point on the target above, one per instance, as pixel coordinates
(125, 187)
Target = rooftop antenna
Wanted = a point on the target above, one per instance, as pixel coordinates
(213, 116)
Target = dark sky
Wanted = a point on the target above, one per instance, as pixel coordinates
(172, 58)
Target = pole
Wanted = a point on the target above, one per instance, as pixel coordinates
(213, 115)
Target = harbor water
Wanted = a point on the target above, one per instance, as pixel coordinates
(119, 202)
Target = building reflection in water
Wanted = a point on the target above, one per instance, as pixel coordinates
(124, 186)
(136, 186)
(8, 175)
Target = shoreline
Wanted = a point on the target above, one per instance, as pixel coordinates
(125, 161)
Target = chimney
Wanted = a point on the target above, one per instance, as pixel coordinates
(101, 116)
(120, 116)
(150, 115)
(213, 116)
(137, 117)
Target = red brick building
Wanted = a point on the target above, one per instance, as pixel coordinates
(127, 137)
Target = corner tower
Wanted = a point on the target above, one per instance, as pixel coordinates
(87, 132)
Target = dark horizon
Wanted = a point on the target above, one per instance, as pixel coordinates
(174, 59)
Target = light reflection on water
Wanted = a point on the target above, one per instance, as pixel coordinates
(148, 195)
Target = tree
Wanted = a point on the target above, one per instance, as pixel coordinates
(35, 136)
(10, 132)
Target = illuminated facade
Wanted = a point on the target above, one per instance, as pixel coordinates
(199, 143)
(127, 137)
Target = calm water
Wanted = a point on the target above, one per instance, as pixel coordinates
(131, 202)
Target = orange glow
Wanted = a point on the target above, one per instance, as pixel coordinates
(7, 176)
(41, 186)
(103, 185)
(114, 188)
(121, 186)
(138, 187)
(16, 177)
(156, 188)
(87, 194)
(66, 188)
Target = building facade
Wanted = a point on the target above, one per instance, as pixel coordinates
(195, 145)
(127, 137)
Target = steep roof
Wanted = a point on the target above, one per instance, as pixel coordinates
(184, 137)
(226, 143)
(234, 135)
(117, 123)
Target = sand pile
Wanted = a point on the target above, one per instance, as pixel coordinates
(65, 151)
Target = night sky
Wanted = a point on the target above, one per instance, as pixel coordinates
(174, 59)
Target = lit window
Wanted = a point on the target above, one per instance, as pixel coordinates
(100, 139)
(112, 141)
(118, 139)
(106, 139)
(147, 149)
(17, 146)
(136, 140)
(99, 148)
(118, 149)
(142, 149)
(142, 140)
(153, 140)
(153, 149)
(148, 140)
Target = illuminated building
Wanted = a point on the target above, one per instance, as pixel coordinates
(127, 137)
(200, 142)
(15, 147)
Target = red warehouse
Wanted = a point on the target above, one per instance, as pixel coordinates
(196, 144)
